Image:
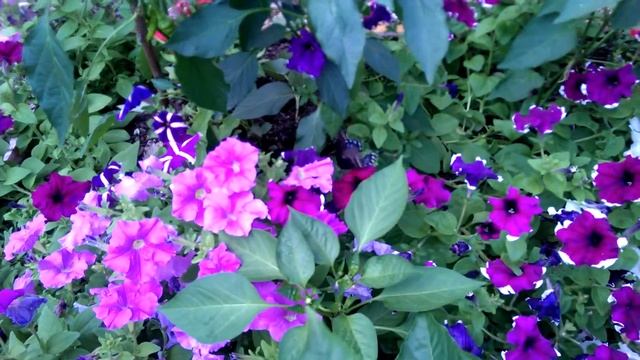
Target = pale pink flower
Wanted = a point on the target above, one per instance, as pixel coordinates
(25, 239)
(219, 260)
(233, 213)
(189, 188)
(150, 164)
(84, 225)
(200, 351)
(63, 266)
(25, 283)
(233, 163)
(318, 174)
(276, 320)
(136, 186)
(118, 304)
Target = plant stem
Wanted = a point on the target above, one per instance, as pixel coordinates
(141, 34)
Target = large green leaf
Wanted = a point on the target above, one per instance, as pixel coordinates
(429, 340)
(202, 82)
(359, 333)
(50, 75)
(215, 308)
(386, 270)
(313, 341)
(381, 59)
(574, 9)
(378, 203)
(207, 33)
(338, 27)
(311, 132)
(426, 31)
(252, 34)
(267, 100)
(427, 289)
(240, 72)
(322, 240)
(626, 15)
(333, 89)
(294, 256)
(539, 42)
(517, 85)
(258, 254)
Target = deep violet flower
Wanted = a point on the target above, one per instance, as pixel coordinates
(589, 241)
(23, 240)
(378, 248)
(540, 119)
(276, 320)
(343, 188)
(118, 304)
(426, 190)
(85, 225)
(233, 164)
(461, 11)
(574, 87)
(219, 260)
(547, 306)
(301, 157)
(604, 352)
(608, 86)
(358, 290)
(460, 248)
(474, 172)
(282, 196)
(234, 214)
(6, 123)
(177, 266)
(107, 176)
(377, 14)
(333, 221)
(170, 127)
(22, 310)
(507, 282)
(318, 174)
(138, 248)
(625, 311)
(139, 93)
(306, 54)
(618, 182)
(7, 296)
(10, 49)
(180, 153)
(528, 343)
(461, 335)
(488, 231)
(136, 186)
(514, 212)
(59, 196)
(61, 267)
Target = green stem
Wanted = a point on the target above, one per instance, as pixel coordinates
(492, 336)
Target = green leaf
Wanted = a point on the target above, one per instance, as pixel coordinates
(626, 15)
(382, 271)
(294, 255)
(227, 300)
(381, 59)
(97, 102)
(267, 100)
(427, 289)
(516, 249)
(333, 89)
(202, 82)
(539, 42)
(258, 254)
(15, 174)
(48, 324)
(322, 240)
(252, 34)
(359, 333)
(443, 124)
(128, 157)
(426, 31)
(574, 9)
(61, 341)
(50, 74)
(338, 27)
(481, 84)
(443, 221)
(240, 72)
(147, 348)
(379, 135)
(313, 341)
(378, 203)
(429, 340)
(517, 85)
(311, 132)
(207, 33)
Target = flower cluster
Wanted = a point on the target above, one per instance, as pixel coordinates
(600, 85)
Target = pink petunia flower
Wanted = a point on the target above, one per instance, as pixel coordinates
(200, 351)
(514, 212)
(276, 320)
(426, 190)
(84, 225)
(119, 304)
(25, 282)
(63, 266)
(23, 240)
(189, 189)
(507, 282)
(138, 248)
(333, 221)
(283, 196)
(219, 260)
(232, 213)
(318, 174)
(233, 163)
(136, 187)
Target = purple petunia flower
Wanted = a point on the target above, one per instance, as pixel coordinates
(551, 255)
(589, 241)
(427, 190)
(378, 14)
(6, 123)
(358, 290)
(618, 182)
(377, 247)
(276, 320)
(574, 87)
(170, 127)
(461, 335)
(625, 311)
(59, 196)
(488, 231)
(7, 296)
(10, 49)
(547, 306)
(452, 89)
(528, 343)
(604, 352)
(139, 93)
(607, 86)
(306, 54)
(474, 172)
(514, 212)
(301, 157)
(461, 11)
(180, 153)
(540, 119)
(107, 176)
(507, 282)
(22, 310)
(460, 248)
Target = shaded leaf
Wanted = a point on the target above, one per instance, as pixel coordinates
(517, 85)
(626, 15)
(202, 82)
(322, 240)
(240, 72)
(333, 89)
(311, 132)
(381, 59)
(294, 256)
(267, 100)
(359, 333)
(258, 254)
(578, 8)
(429, 340)
(386, 270)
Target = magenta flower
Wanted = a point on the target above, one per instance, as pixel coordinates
(177, 266)
(461, 11)
(10, 49)
(119, 304)
(63, 266)
(589, 241)
(306, 54)
(232, 213)
(426, 190)
(318, 174)
(233, 164)
(179, 153)
(136, 187)
(333, 221)
(608, 86)
(540, 119)
(618, 182)
(59, 196)
(282, 196)
(604, 352)
(200, 351)
(514, 212)
(84, 225)
(6, 123)
(219, 260)
(23, 240)
(625, 311)
(575, 86)
(276, 320)
(138, 248)
(474, 172)
(507, 282)
(343, 188)
(528, 343)
(7, 296)
(189, 189)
